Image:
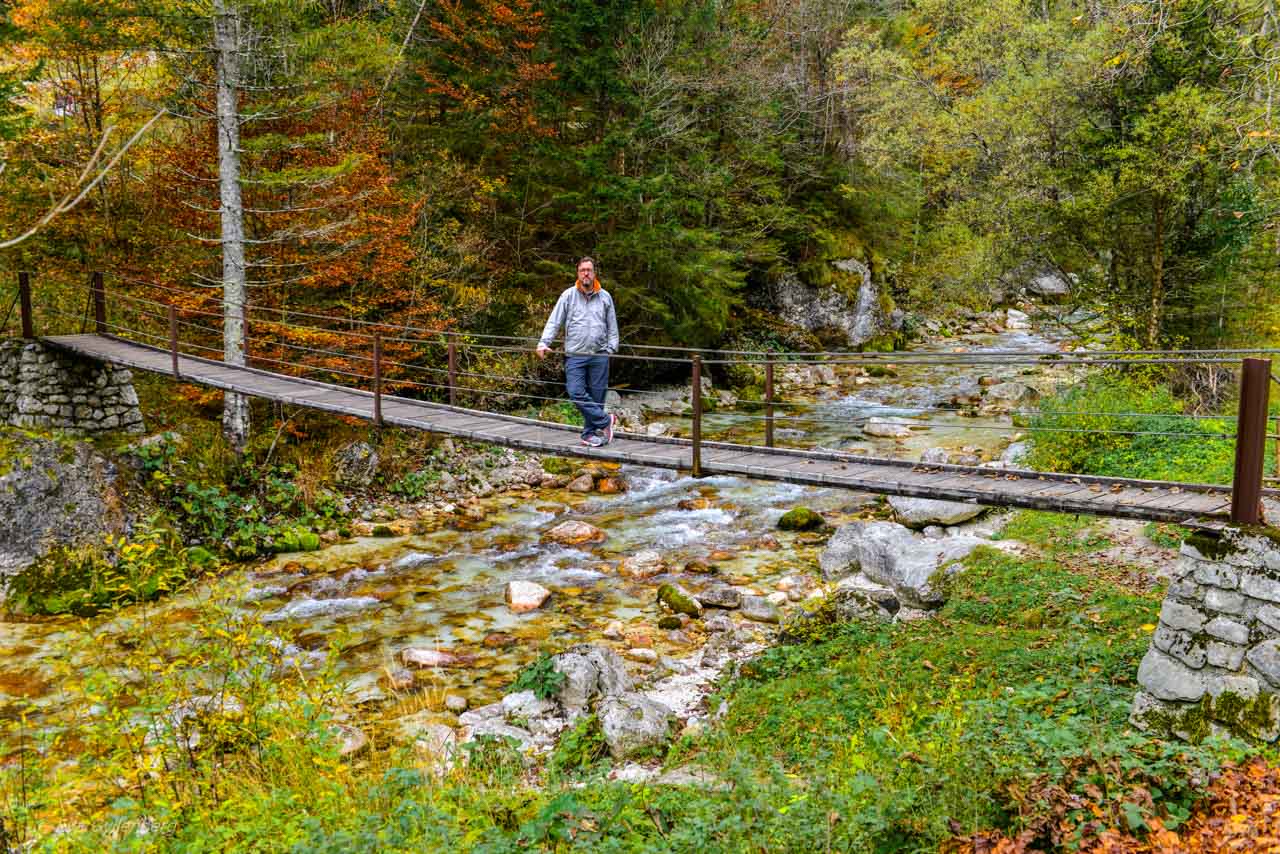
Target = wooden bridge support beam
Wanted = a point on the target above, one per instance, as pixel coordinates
(377, 380)
(453, 373)
(24, 305)
(768, 403)
(695, 462)
(1251, 439)
(173, 341)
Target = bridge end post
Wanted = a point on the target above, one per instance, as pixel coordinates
(1251, 438)
(24, 305)
(695, 463)
(99, 304)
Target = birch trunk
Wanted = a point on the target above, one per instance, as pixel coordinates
(226, 30)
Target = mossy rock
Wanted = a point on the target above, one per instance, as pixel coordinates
(886, 342)
(669, 622)
(880, 371)
(557, 465)
(382, 531)
(678, 600)
(801, 519)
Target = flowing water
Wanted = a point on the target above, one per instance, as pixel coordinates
(445, 589)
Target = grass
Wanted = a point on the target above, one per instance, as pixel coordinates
(1006, 711)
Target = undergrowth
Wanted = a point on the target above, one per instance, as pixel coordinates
(1006, 711)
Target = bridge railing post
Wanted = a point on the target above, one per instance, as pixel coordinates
(173, 341)
(695, 462)
(377, 379)
(1251, 438)
(24, 305)
(99, 304)
(453, 372)
(768, 402)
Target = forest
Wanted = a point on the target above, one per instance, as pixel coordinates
(447, 162)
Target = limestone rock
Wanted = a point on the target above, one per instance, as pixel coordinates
(423, 657)
(353, 740)
(1011, 394)
(643, 564)
(1168, 679)
(888, 554)
(574, 533)
(522, 596)
(57, 492)
(887, 428)
(720, 596)
(800, 519)
(679, 600)
(760, 609)
(590, 671)
(632, 723)
(921, 512)
(356, 464)
(581, 483)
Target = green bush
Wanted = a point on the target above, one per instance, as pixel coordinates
(1119, 426)
(85, 580)
(540, 677)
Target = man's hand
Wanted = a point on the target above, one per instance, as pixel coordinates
(542, 351)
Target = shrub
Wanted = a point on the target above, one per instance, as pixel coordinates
(540, 677)
(1122, 426)
(84, 580)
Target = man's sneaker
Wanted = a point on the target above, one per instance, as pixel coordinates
(608, 431)
(592, 441)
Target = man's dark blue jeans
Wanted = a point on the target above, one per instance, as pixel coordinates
(587, 380)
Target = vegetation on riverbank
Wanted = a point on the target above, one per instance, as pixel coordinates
(1006, 712)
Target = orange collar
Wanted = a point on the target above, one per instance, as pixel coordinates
(595, 287)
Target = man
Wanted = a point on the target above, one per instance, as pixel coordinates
(585, 311)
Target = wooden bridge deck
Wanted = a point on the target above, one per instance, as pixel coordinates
(1194, 504)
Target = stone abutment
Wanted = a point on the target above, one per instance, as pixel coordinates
(45, 388)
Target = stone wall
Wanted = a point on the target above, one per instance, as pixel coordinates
(43, 387)
(1214, 661)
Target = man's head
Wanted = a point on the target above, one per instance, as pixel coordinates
(586, 273)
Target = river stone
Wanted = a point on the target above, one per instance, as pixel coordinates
(356, 464)
(522, 596)
(456, 703)
(574, 533)
(679, 600)
(800, 519)
(1015, 320)
(1012, 393)
(936, 456)
(590, 671)
(632, 723)
(642, 564)
(1169, 679)
(720, 597)
(887, 428)
(422, 657)
(921, 512)
(581, 483)
(612, 485)
(760, 609)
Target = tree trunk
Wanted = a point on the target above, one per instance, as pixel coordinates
(226, 30)
(1157, 277)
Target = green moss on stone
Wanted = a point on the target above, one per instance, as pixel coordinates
(800, 519)
(557, 465)
(1210, 545)
(678, 601)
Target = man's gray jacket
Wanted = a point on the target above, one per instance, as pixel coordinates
(590, 325)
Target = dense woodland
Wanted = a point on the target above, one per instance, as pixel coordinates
(445, 162)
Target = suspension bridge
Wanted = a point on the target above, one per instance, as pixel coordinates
(365, 369)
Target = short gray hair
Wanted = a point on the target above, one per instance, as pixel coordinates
(585, 259)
